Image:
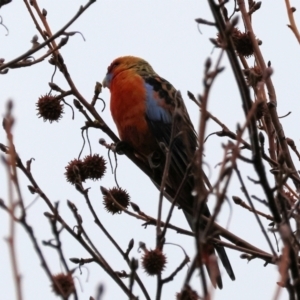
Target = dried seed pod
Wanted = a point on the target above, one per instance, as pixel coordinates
(94, 166)
(64, 285)
(49, 108)
(187, 294)
(241, 41)
(120, 195)
(74, 171)
(154, 262)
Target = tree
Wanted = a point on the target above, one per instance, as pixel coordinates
(71, 217)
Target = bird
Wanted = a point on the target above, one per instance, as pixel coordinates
(148, 112)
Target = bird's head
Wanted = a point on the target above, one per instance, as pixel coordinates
(124, 63)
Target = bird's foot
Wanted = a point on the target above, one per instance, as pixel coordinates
(155, 159)
(122, 147)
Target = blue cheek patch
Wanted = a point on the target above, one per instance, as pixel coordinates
(154, 111)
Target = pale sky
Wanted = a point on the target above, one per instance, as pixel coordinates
(166, 35)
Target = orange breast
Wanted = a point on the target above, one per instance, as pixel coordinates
(128, 106)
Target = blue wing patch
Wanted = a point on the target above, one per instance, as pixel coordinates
(154, 111)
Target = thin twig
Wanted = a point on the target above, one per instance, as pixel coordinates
(293, 25)
(50, 39)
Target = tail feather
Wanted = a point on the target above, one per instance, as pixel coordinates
(225, 261)
(210, 259)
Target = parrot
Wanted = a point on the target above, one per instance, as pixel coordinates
(148, 111)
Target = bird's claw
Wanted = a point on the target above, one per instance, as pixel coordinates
(122, 147)
(155, 159)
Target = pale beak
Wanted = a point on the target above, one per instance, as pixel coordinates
(106, 81)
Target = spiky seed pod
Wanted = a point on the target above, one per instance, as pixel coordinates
(154, 262)
(74, 171)
(94, 166)
(241, 41)
(187, 294)
(64, 285)
(49, 108)
(120, 195)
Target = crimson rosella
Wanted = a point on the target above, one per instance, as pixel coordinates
(147, 110)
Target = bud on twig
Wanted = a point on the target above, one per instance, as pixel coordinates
(135, 207)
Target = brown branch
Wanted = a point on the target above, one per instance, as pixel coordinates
(43, 19)
(271, 91)
(293, 25)
(26, 63)
(12, 164)
(247, 104)
(81, 10)
(112, 240)
(240, 202)
(13, 204)
(178, 269)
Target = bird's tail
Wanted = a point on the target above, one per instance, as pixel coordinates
(225, 261)
(209, 258)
